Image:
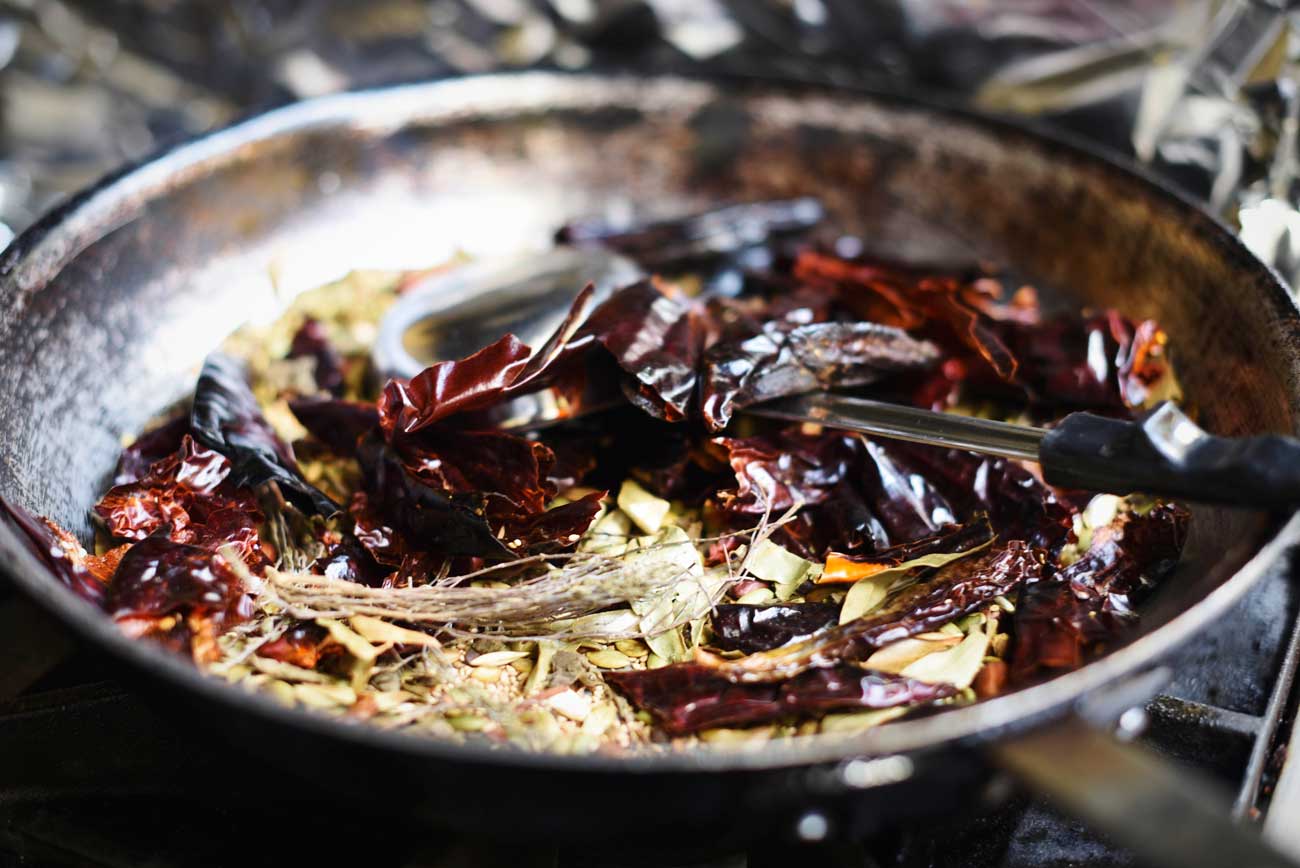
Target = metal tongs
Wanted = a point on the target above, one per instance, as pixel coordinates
(1162, 453)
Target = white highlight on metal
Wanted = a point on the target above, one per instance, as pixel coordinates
(862, 774)
(1172, 433)
(1132, 723)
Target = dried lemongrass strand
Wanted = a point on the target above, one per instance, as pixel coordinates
(571, 586)
(583, 584)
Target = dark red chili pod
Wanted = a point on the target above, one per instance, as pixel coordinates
(687, 697)
(227, 419)
(959, 588)
(748, 629)
(57, 551)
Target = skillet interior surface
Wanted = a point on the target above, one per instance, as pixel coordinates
(109, 305)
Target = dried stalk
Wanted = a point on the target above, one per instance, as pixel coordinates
(570, 586)
(586, 583)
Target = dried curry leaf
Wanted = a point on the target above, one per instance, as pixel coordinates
(958, 665)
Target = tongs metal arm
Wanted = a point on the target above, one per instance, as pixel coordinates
(901, 422)
(1163, 452)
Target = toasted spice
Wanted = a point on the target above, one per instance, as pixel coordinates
(637, 579)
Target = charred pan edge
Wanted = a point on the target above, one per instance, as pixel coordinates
(28, 263)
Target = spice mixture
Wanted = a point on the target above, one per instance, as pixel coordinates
(659, 569)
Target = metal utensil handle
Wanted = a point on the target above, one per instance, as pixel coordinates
(1167, 815)
(1166, 453)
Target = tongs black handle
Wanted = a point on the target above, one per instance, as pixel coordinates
(1166, 453)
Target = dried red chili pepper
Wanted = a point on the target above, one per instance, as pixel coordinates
(687, 697)
(337, 423)
(898, 491)
(748, 628)
(957, 589)
(434, 483)
(556, 529)
(1089, 603)
(312, 342)
(509, 473)
(151, 446)
(1068, 362)
(844, 522)
(1017, 503)
(849, 568)
(191, 495)
(226, 418)
(656, 338)
(951, 310)
(300, 645)
(346, 558)
(574, 458)
(494, 374)
(774, 472)
(396, 506)
(57, 550)
(786, 358)
(1143, 363)
(180, 594)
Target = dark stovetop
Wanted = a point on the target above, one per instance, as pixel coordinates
(89, 775)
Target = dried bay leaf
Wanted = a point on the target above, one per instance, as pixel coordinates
(382, 632)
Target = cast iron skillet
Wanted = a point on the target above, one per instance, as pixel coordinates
(108, 306)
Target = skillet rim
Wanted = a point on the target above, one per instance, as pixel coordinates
(55, 236)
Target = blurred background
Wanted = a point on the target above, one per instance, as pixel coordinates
(1203, 91)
